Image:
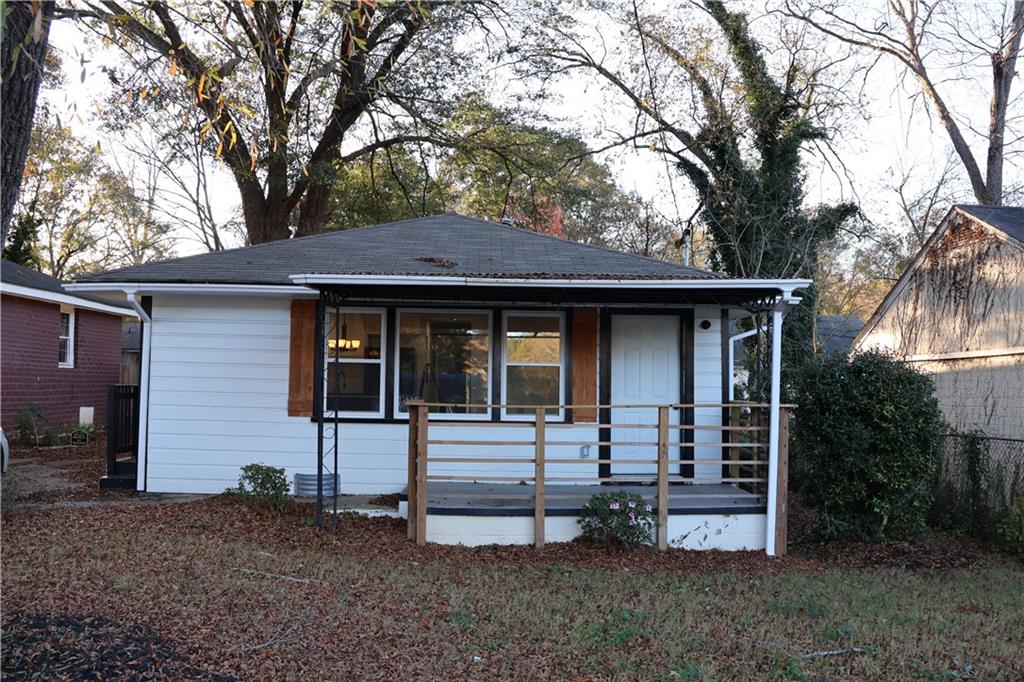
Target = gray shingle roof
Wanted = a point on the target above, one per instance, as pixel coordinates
(441, 245)
(19, 275)
(1006, 219)
(837, 332)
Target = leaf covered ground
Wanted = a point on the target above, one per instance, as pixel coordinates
(212, 590)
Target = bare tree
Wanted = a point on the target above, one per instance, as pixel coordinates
(287, 92)
(931, 38)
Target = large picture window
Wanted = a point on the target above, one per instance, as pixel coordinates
(533, 363)
(355, 355)
(66, 353)
(444, 357)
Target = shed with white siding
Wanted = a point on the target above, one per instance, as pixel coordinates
(277, 353)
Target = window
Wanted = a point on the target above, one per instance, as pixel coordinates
(444, 357)
(533, 363)
(355, 357)
(66, 356)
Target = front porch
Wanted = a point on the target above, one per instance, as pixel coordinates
(521, 484)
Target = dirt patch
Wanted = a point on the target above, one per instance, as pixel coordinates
(73, 647)
(54, 474)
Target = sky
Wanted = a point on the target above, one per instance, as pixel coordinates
(876, 149)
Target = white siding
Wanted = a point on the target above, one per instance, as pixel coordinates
(707, 388)
(218, 401)
(219, 391)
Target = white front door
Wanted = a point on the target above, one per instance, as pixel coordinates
(645, 371)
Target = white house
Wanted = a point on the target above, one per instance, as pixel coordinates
(307, 353)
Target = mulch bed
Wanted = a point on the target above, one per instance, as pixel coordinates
(74, 647)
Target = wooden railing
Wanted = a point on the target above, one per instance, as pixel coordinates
(744, 461)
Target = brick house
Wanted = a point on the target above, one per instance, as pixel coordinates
(58, 351)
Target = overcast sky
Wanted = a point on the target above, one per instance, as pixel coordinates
(875, 151)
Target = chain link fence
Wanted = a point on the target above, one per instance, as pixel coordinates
(981, 481)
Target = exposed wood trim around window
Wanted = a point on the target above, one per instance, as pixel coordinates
(301, 349)
(584, 364)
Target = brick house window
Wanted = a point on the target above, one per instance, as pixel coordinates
(67, 337)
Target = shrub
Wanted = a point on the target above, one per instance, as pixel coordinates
(867, 440)
(263, 486)
(1011, 529)
(618, 518)
(27, 424)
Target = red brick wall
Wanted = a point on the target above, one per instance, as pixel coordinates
(29, 374)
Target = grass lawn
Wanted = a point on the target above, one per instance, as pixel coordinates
(211, 588)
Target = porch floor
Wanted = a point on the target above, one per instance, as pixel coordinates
(449, 498)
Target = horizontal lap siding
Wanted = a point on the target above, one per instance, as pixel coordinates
(707, 388)
(218, 393)
(218, 401)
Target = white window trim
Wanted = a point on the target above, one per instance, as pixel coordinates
(484, 416)
(328, 360)
(505, 363)
(70, 362)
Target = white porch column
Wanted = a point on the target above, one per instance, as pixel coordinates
(773, 428)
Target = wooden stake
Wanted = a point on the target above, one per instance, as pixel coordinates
(538, 480)
(782, 496)
(663, 478)
(423, 421)
(410, 507)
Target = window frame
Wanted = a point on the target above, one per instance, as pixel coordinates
(381, 361)
(505, 363)
(396, 402)
(69, 362)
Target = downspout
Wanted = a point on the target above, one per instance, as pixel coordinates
(147, 335)
(732, 357)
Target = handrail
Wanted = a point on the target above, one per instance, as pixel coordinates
(553, 406)
(743, 461)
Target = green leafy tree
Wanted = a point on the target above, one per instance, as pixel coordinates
(22, 241)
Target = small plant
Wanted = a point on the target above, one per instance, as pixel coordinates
(27, 424)
(263, 486)
(1011, 529)
(618, 518)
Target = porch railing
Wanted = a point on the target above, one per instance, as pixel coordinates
(744, 460)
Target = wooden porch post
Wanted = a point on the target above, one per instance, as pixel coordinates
(410, 507)
(663, 477)
(782, 497)
(538, 480)
(423, 420)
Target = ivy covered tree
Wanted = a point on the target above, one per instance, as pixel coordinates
(734, 128)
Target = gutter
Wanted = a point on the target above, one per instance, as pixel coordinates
(54, 297)
(194, 288)
(141, 460)
(788, 287)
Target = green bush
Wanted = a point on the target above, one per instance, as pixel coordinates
(1011, 529)
(263, 486)
(618, 518)
(866, 443)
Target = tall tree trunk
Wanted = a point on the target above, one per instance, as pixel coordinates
(314, 210)
(25, 33)
(1004, 68)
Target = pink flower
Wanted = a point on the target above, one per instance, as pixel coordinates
(632, 503)
(647, 508)
(632, 518)
(614, 506)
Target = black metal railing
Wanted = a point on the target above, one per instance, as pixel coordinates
(122, 424)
